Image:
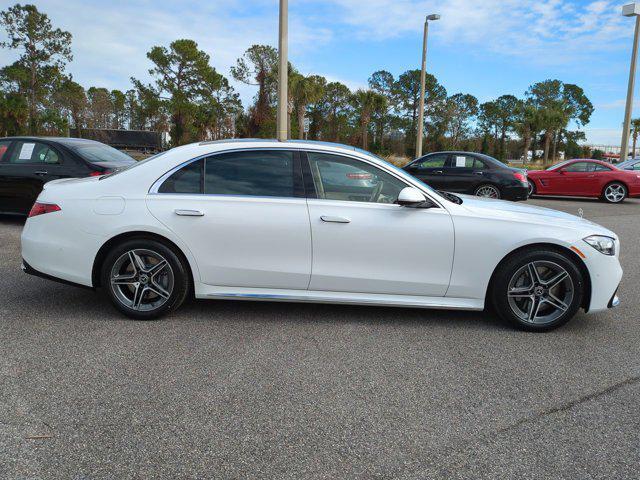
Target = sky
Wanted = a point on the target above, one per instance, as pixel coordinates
(484, 47)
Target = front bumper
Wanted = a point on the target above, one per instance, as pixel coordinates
(605, 274)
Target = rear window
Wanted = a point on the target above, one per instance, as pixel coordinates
(101, 153)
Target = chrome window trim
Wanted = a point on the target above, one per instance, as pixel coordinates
(156, 185)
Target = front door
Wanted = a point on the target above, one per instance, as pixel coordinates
(430, 169)
(243, 216)
(578, 178)
(365, 243)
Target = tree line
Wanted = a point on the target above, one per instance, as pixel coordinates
(188, 98)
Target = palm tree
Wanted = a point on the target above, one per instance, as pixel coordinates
(305, 91)
(635, 130)
(366, 102)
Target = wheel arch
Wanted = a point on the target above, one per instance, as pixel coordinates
(115, 240)
(622, 182)
(586, 300)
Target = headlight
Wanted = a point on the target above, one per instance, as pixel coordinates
(606, 245)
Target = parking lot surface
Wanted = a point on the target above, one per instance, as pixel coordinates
(289, 391)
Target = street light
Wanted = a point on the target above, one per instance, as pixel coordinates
(422, 86)
(631, 10)
(283, 67)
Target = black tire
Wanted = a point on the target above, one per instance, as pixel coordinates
(607, 197)
(478, 192)
(532, 188)
(174, 275)
(511, 309)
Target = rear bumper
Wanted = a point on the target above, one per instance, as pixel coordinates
(515, 193)
(26, 268)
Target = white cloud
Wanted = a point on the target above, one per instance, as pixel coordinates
(111, 39)
(542, 31)
(603, 136)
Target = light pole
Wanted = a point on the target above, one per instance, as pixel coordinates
(283, 73)
(423, 74)
(631, 10)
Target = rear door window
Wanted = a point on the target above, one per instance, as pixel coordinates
(187, 180)
(26, 152)
(467, 161)
(260, 173)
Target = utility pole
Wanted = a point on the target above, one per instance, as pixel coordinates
(283, 73)
(423, 74)
(631, 10)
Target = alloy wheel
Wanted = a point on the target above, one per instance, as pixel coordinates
(488, 191)
(531, 188)
(142, 279)
(615, 193)
(540, 292)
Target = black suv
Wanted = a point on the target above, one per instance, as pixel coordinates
(27, 163)
(472, 173)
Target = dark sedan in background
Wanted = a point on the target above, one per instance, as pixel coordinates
(27, 163)
(472, 173)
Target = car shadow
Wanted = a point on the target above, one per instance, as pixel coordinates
(12, 219)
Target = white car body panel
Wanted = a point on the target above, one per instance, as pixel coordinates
(278, 249)
(384, 249)
(261, 242)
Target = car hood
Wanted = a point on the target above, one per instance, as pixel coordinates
(491, 208)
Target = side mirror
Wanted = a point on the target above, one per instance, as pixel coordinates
(414, 198)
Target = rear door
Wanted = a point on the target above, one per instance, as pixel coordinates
(243, 216)
(465, 173)
(30, 164)
(430, 169)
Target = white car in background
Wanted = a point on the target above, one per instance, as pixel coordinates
(267, 220)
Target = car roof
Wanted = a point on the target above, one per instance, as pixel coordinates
(63, 140)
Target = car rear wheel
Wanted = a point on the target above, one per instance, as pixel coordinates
(487, 191)
(145, 279)
(614, 192)
(537, 290)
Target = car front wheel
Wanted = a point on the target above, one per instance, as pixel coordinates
(537, 290)
(145, 279)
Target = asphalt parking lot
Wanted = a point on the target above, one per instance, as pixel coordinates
(269, 390)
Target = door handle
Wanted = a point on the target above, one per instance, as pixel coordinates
(478, 173)
(41, 172)
(330, 219)
(189, 213)
(437, 171)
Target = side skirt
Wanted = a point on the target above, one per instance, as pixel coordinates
(275, 295)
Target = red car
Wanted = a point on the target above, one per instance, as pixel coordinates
(585, 178)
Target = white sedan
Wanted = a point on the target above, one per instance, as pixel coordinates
(312, 222)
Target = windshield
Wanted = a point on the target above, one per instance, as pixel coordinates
(101, 153)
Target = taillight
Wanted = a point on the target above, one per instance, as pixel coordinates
(520, 177)
(42, 208)
(96, 173)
